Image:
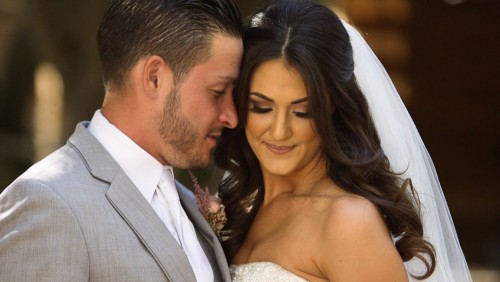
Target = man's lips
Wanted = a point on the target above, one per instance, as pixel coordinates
(214, 137)
(279, 149)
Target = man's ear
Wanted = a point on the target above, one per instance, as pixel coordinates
(156, 76)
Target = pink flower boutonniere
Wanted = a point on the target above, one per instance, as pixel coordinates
(210, 206)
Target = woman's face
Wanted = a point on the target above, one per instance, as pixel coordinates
(279, 129)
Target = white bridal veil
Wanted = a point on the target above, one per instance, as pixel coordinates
(403, 146)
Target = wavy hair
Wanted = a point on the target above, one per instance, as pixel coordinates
(311, 38)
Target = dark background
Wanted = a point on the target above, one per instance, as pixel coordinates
(441, 54)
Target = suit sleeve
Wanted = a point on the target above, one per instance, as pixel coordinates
(40, 238)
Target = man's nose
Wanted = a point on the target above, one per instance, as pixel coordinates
(229, 116)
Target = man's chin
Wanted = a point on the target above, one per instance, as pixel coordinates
(198, 163)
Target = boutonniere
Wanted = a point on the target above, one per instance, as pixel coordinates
(210, 206)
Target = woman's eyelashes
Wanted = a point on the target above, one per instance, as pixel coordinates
(305, 115)
(258, 109)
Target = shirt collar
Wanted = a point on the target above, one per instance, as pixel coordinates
(142, 168)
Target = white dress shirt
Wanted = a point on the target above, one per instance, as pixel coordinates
(145, 172)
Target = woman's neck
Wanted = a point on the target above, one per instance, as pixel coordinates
(302, 183)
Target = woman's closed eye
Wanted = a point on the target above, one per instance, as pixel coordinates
(301, 110)
(259, 110)
(263, 109)
(301, 114)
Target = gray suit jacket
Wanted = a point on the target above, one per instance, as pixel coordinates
(76, 216)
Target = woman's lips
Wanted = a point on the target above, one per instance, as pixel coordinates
(279, 149)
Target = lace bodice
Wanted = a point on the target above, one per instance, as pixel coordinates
(262, 272)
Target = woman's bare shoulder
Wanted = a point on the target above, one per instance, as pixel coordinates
(356, 242)
(353, 212)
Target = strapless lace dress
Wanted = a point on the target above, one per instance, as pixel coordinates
(262, 272)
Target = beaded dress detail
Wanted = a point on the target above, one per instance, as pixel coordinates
(262, 272)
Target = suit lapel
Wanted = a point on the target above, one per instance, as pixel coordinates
(209, 241)
(134, 209)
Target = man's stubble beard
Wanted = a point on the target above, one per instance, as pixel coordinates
(180, 134)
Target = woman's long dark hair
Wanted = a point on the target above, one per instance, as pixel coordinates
(310, 38)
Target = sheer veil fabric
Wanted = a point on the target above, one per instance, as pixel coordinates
(403, 146)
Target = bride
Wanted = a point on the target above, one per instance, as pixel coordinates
(328, 178)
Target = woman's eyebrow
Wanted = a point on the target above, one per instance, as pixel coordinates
(262, 96)
(299, 101)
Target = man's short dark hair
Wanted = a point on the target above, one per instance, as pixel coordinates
(179, 31)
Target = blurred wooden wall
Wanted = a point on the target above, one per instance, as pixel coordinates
(456, 74)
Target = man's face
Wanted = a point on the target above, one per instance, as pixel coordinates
(197, 109)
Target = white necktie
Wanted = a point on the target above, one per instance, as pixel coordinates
(181, 227)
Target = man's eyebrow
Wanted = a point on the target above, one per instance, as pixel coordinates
(228, 78)
(262, 96)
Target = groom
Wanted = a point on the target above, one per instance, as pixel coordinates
(105, 206)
